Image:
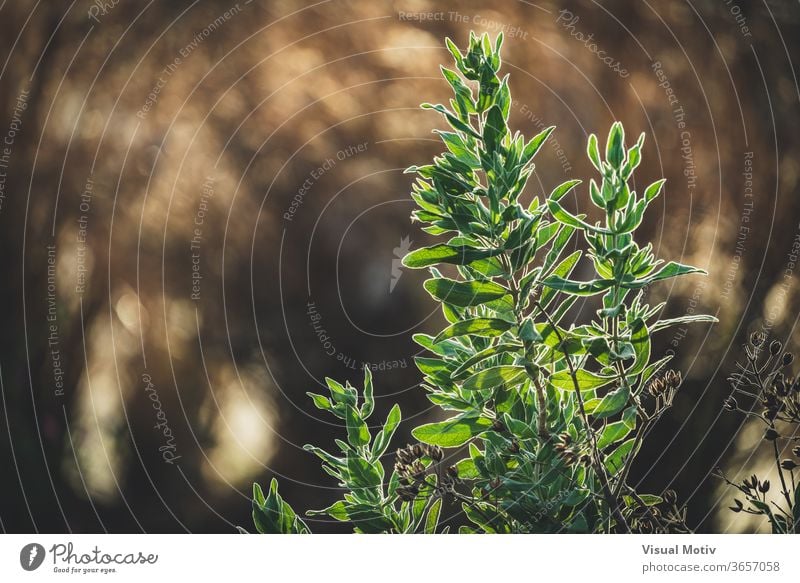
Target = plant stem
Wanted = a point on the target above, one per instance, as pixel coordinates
(598, 462)
(541, 401)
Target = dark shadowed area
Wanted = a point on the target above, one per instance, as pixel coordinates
(203, 207)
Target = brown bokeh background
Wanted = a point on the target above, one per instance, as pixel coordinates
(254, 104)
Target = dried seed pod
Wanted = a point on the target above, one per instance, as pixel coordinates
(757, 339)
(788, 464)
(435, 453)
(730, 404)
(775, 347)
(787, 359)
(771, 435)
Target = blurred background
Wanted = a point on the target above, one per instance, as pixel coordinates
(202, 207)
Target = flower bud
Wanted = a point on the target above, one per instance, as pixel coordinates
(771, 435)
(757, 338)
(775, 347)
(787, 359)
(788, 464)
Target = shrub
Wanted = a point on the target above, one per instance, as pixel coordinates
(544, 417)
(766, 391)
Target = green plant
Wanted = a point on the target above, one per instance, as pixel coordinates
(766, 392)
(545, 418)
(407, 503)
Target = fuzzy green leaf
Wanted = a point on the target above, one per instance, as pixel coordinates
(464, 293)
(453, 432)
(483, 355)
(489, 378)
(578, 288)
(587, 380)
(484, 327)
(611, 404)
(661, 324)
(441, 253)
(384, 436)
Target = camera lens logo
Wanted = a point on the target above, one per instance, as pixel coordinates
(31, 556)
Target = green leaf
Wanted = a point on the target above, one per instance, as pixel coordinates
(384, 436)
(564, 216)
(533, 146)
(467, 470)
(320, 402)
(640, 338)
(587, 380)
(495, 128)
(558, 246)
(369, 399)
(432, 519)
(612, 403)
(337, 511)
(258, 494)
(615, 149)
(653, 190)
(464, 293)
(451, 349)
(671, 269)
(483, 355)
(460, 150)
(594, 154)
(341, 394)
(562, 270)
(357, 431)
(484, 327)
(441, 253)
(489, 378)
(661, 324)
(333, 461)
(562, 189)
(363, 473)
(578, 288)
(457, 56)
(453, 432)
(452, 119)
(613, 433)
(272, 515)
